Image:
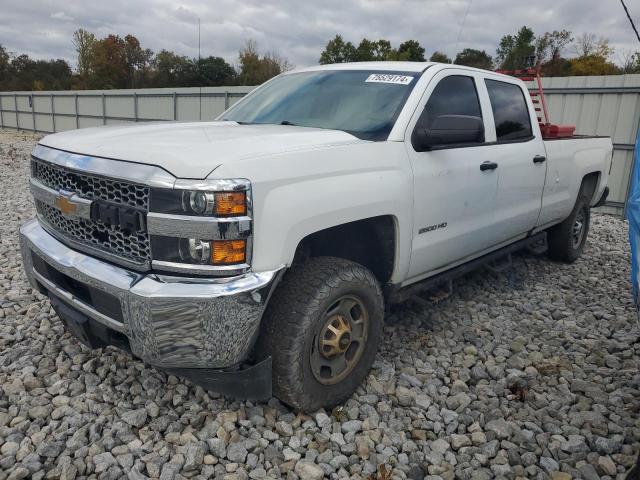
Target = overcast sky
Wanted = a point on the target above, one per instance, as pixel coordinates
(299, 29)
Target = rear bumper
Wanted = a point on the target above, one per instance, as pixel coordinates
(176, 323)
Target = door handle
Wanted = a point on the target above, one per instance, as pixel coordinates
(539, 159)
(488, 166)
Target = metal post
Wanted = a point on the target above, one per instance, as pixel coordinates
(15, 103)
(104, 110)
(226, 100)
(1, 115)
(175, 107)
(53, 113)
(33, 112)
(77, 116)
(135, 106)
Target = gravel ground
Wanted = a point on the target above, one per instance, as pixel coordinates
(532, 374)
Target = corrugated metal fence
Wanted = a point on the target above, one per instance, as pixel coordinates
(604, 105)
(66, 110)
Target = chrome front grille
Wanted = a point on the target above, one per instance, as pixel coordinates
(90, 186)
(109, 241)
(133, 247)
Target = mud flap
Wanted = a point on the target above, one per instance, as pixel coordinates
(251, 382)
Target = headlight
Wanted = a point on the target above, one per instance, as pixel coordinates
(193, 249)
(201, 226)
(199, 202)
(200, 252)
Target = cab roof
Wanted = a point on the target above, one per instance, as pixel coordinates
(389, 66)
(417, 67)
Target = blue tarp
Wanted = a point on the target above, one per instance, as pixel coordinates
(633, 215)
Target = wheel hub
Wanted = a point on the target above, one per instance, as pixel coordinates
(577, 231)
(340, 341)
(335, 337)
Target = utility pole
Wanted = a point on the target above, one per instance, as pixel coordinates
(199, 75)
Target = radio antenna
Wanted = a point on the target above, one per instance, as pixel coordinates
(464, 19)
(199, 75)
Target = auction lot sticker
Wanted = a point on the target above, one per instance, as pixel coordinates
(389, 78)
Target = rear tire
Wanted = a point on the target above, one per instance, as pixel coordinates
(566, 240)
(322, 329)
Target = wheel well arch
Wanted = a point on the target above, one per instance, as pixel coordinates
(589, 185)
(370, 242)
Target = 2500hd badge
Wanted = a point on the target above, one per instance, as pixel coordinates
(431, 228)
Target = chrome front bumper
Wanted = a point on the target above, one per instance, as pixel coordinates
(170, 322)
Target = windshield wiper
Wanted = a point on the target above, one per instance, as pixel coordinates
(287, 122)
(236, 121)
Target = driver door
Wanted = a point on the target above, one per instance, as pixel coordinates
(454, 197)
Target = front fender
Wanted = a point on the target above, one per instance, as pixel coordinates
(297, 194)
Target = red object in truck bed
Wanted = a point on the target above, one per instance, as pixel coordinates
(550, 130)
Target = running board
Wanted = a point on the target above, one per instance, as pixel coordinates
(500, 264)
(433, 296)
(539, 247)
(432, 283)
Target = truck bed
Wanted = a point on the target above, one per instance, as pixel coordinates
(573, 137)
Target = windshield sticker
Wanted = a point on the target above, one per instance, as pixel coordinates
(389, 78)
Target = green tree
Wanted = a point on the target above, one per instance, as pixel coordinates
(412, 51)
(549, 47)
(170, 69)
(474, 58)
(4, 67)
(337, 51)
(439, 57)
(24, 73)
(52, 74)
(256, 69)
(371, 51)
(85, 43)
(515, 51)
(213, 72)
(138, 61)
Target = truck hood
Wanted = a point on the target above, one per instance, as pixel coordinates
(193, 150)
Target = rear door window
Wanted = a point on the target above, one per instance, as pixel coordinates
(509, 111)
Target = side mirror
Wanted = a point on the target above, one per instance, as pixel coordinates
(448, 130)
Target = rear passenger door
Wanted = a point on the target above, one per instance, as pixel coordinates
(520, 155)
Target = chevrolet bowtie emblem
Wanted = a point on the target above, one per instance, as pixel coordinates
(65, 204)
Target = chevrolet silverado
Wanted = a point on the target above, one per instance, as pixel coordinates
(257, 253)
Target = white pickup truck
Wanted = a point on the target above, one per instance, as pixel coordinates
(256, 253)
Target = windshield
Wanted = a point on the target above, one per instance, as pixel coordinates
(362, 103)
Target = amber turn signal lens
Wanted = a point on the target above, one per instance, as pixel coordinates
(231, 203)
(228, 252)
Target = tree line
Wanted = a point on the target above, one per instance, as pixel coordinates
(122, 62)
(592, 55)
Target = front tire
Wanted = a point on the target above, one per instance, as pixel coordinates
(322, 329)
(566, 240)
